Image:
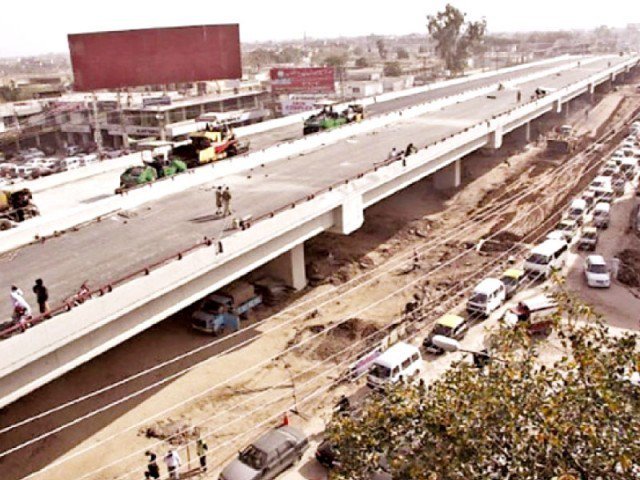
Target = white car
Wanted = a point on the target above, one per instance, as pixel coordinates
(556, 235)
(597, 272)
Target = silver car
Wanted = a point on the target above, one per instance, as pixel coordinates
(267, 457)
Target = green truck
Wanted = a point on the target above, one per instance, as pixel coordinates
(150, 172)
(328, 118)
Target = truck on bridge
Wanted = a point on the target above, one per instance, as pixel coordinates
(327, 118)
(16, 206)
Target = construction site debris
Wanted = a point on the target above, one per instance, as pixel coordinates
(629, 272)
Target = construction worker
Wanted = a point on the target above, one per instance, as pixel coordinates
(201, 450)
(393, 154)
(519, 96)
(226, 202)
(153, 471)
(173, 462)
(219, 201)
(410, 150)
(42, 295)
(21, 308)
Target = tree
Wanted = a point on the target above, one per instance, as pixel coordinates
(392, 69)
(402, 53)
(382, 49)
(516, 418)
(259, 58)
(336, 61)
(454, 37)
(362, 62)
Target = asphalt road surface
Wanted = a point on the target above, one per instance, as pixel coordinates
(101, 252)
(92, 189)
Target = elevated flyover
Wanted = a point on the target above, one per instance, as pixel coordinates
(89, 192)
(157, 261)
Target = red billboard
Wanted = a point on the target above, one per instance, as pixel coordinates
(155, 56)
(302, 80)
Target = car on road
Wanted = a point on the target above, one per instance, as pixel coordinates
(512, 279)
(268, 456)
(546, 258)
(398, 362)
(596, 272)
(450, 326)
(590, 198)
(568, 227)
(577, 210)
(601, 215)
(486, 297)
(588, 239)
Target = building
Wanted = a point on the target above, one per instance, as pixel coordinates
(119, 119)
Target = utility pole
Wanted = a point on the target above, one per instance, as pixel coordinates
(97, 134)
(123, 127)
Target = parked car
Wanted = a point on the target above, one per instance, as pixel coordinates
(72, 150)
(268, 456)
(449, 325)
(597, 272)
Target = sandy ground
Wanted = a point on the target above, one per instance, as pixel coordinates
(251, 395)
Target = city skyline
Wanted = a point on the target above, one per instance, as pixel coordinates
(288, 20)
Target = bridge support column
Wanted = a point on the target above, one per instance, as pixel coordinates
(289, 267)
(526, 132)
(567, 109)
(495, 137)
(558, 108)
(449, 176)
(349, 216)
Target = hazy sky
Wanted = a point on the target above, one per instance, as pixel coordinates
(37, 26)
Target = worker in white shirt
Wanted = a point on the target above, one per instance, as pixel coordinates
(173, 462)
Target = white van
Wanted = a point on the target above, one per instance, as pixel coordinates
(488, 295)
(550, 255)
(577, 210)
(601, 214)
(601, 187)
(400, 360)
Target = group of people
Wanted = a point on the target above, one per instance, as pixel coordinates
(223, 201)
(22, 313)
(173, 462)
(409, 150)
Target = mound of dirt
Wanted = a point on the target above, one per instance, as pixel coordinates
(500, 242)
(175, 432)
(344, 335)
(629, 271)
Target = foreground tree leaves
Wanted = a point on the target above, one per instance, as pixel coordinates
(519, 418)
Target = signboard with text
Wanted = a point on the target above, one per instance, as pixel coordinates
(302, 80)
